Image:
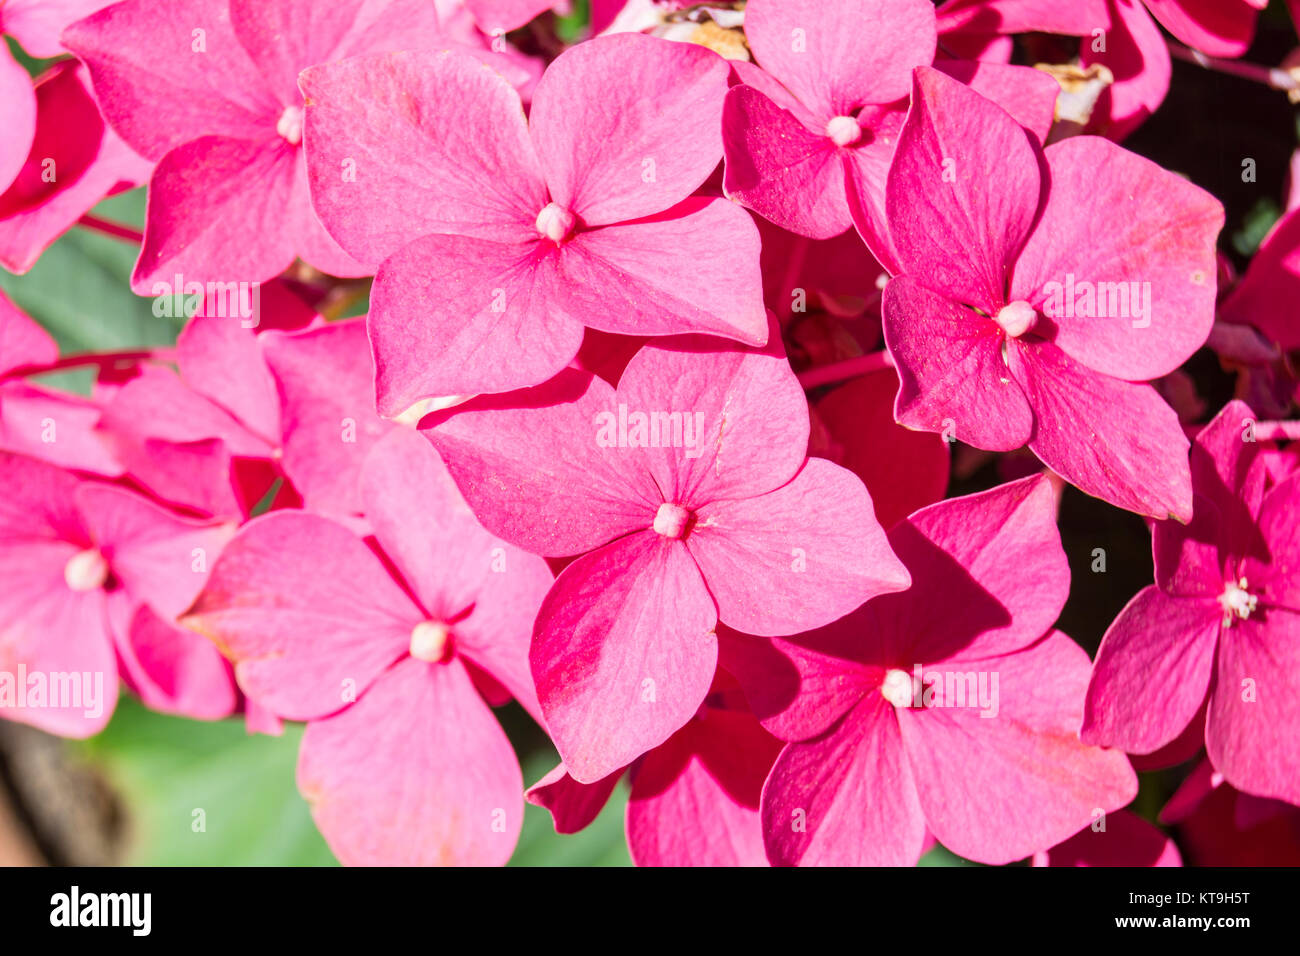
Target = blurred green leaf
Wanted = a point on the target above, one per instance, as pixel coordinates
(1255, 226)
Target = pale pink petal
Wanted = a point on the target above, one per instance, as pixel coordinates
(18, 116)
(963, 389)
(623, 652)
(1152, 672)
(628, 125)
(487, 591)
(1115, 440)
(1002, 787)
(847, 798)
(693, 268)
(502, 16)
(837, 62)
(454, 315)
(464, 164)
(327, 395)
(795, 558)
(1029, 95)
(744, 421)
(416, 773)
(586, 493)
(36, 24)
(307, 613)
(22, 340)
(190, 77)
(161, 558)
(222, 360)
(1150, 261)
(55, 426)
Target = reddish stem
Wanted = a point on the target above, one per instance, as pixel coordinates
(110, 228)
(1275, 77)
(849, 368)
(99, 359)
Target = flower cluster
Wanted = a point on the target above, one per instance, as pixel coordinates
(722, 377)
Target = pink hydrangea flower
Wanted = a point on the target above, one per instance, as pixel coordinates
(676, 527)
(808, 138)
(95, 577)
(1219, 825)
(904, 716)
(1032, 308)
(501, 238)
(385, 650)
(208, 89)
(1222, 619)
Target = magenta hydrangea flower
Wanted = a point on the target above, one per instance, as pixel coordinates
(386, 651)
(208, 89)
(811, 133)
(500, 238)
(95, 577)
(1222, 619)
(1032, 309)
(1272, 277)
(686, 492)
(904, 715)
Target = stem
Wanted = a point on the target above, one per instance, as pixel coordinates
(849, 368)
(99, 359)
(1274, 77)
(1277, 431)
(110, 228)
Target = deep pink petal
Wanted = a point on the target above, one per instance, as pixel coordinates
(795, 558)
(963, 389)
(454, 315)
(847, 798)
(1152, 672)
(949, 229)
(695, 798)
(1126, 840)
(572, 805)
(1252, 731)
(22, 340)
(584, 493)
(1137, 56)
(1133, 452)
(745, 411)
(1002, 787)
(174, 670)
(780, 168)
(1215, 27)
(623, 652)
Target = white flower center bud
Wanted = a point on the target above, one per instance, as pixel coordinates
(555, 222)
(671, 520)
(430, 641)
(843, 130)
(86, 570)
(289, 125)
(1017, 318)
(897, 688)
(1237, 602)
